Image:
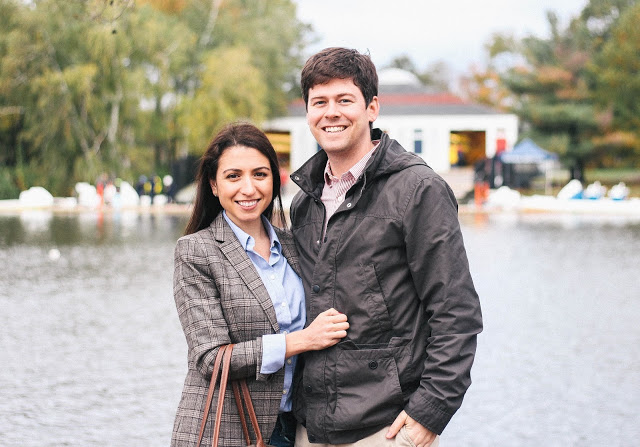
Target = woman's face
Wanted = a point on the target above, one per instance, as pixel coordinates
(244, 185)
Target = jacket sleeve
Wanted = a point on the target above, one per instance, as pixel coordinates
(440, 270)
(198, 302)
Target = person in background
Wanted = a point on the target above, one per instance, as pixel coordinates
(236, 280)
(378, 236)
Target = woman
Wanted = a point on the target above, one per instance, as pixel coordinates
(236, 281)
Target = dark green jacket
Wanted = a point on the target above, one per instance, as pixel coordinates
(394, 262)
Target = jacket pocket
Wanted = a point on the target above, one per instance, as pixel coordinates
(375, 304)
(368, 390)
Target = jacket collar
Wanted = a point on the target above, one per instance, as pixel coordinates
(388, 158)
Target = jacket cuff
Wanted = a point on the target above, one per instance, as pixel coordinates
(428, 414)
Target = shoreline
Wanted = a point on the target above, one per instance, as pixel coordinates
(630, 209)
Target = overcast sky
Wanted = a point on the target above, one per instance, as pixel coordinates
(453, 31)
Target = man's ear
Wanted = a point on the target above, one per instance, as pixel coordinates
(373, 109)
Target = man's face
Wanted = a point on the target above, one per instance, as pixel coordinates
(339, 118)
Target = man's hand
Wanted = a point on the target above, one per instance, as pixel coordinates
(421, 436)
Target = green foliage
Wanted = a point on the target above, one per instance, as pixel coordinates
(8, 187)
(93, 87)
(576, 90)
(618, 67)
(231, 88)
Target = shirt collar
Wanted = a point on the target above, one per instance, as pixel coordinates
(247, 241)
(355, 171)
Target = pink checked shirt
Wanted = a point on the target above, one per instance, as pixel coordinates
(335, 188)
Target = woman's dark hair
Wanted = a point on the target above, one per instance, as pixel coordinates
(340, 63)
(207, 206)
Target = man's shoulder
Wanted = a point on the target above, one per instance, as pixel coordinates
(416, 172)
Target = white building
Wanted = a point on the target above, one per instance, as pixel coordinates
(445, 130)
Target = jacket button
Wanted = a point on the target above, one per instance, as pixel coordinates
(307, 389)
(311, 438)
(315, 288)
(373, 364)
(349, 205)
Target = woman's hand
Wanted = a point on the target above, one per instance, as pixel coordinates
(325, 331)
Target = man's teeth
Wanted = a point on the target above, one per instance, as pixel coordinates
(247, 202)
(334, 129)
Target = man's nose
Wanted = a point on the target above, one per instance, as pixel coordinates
(332, 109)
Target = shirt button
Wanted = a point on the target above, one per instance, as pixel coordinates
(284, 304)
(288, 361)
(272, 277)
(285, 332)
(285, 391)
(315, 288)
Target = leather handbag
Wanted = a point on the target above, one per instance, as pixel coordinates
(223, 358)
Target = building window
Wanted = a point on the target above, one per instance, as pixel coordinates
(417, 141)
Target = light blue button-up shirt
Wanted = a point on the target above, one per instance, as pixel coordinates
(287, 294)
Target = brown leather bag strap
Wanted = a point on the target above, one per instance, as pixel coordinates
(212, 387)
(252, 412)
(243, 420)
(226, 364)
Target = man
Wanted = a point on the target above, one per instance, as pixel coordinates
(379, 240)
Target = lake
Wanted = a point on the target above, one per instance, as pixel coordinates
(92, 352)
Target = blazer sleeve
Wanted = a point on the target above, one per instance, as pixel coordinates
(198, 301)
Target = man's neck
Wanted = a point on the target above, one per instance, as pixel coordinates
(342, 162)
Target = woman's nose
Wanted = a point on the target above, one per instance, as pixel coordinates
(248, 187)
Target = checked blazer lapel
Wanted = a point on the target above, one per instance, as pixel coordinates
(238, 258)
(289, 250)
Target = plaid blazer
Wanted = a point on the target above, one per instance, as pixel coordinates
(221, 299)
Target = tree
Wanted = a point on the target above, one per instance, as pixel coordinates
(617, 73)
(231, 88)
(553, 82)
(120, 87)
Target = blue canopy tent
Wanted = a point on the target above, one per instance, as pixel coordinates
(527, 152)
(526, 161)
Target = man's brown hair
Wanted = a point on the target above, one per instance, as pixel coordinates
(340, 63)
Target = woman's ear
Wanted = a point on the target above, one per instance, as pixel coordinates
(214, 187)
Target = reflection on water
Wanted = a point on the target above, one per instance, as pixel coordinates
(92, 352)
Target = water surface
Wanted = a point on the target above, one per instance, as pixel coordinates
(92, 352)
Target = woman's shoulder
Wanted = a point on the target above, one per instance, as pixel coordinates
(202, 240)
